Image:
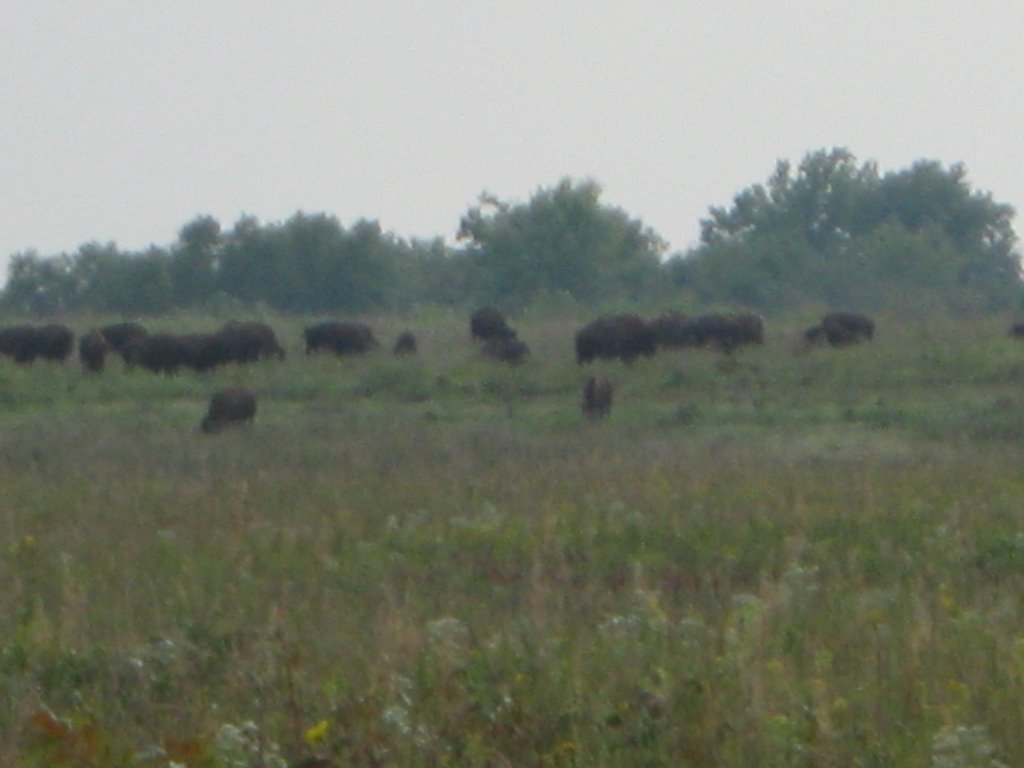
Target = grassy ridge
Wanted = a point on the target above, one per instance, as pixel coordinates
(782, 558)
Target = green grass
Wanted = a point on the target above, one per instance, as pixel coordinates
(785, 558)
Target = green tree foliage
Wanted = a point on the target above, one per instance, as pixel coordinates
(311, 264)
(37, 285)
(308, 264)
(563, 241)
(194, 261)
(840, 234)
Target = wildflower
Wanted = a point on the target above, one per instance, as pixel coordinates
(315, 734)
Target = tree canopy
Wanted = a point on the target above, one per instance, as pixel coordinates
(831, 232)
(838, 233)
(563, 241)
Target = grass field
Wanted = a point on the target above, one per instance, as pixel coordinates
(780, 558)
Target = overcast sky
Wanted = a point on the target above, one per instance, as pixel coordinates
(120, 120)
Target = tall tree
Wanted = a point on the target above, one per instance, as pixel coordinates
(837, 233)
(194, 261)
(562, 241)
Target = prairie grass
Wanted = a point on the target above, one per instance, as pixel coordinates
(787, 557)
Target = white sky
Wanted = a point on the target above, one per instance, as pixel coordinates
(123, 119)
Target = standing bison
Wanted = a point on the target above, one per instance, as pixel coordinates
(625, 337)
(121, 336)
(597, 397)
(511, 351)
(724, 332)
(672, 329)
(842, 329)
(164, 352)
(339, 338)
(246, 342)
(92, 351)
(488, 323)
(236, 342)
(25, 343)
(405, 344)
(230, 405)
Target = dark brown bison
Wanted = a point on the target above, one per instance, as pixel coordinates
(18, 342)
(672, 329)
(725, 331)
(165, 352)
(92, 351)
(1016, 331)
(120, 336)
(405, 344)
(511, 351)
(597, 397)
(236, 342)
(841, 329)
(488, 323)
(625, 337)
(246, 342)
(340, 338)
(722, 331)
(231, 405)
(25, 343)
(814, 335)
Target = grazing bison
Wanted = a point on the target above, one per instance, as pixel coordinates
(121, 336)
(339, 338)
(672, 329)
(841, 329)
(511, 351)
(236, 342)
(246, 342)
(92, 351)
(626, 337)
(25, 343)
(405, 344)
(814, 335)
(724, 331)
(164, 352)
(597, 397)
(488, 323)
(230, 405)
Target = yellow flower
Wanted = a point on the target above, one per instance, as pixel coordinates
(316, 733)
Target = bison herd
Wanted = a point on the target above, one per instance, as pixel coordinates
(624, 337)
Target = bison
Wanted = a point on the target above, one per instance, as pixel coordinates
(511, 351)
(842, 329)
(488, 323)
(25, 343)
(1016, 331)
(18, 342)
(121, 336)
(597, 397)
(625, 337)
(246, 342)
(405, 344)
(165, 352)
(340, 338)
(230, 405)
(92, 351)
(236, 342)
(725, 331)
(672, 329)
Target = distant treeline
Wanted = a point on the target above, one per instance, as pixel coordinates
(832, 234)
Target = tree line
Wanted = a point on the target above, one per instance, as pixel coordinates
(831, 233)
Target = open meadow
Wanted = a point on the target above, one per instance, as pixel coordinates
(783, 557)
